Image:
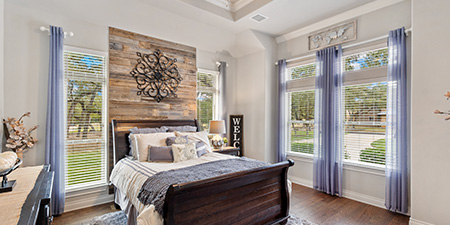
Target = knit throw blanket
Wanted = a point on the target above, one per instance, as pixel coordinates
(153, 191)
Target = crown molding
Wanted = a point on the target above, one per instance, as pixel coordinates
(347, 15)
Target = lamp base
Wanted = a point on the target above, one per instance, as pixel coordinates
(217, 142)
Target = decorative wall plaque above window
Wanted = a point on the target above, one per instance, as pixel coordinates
(156, 75)
(335, 35)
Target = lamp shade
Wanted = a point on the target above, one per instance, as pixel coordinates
(217, 127)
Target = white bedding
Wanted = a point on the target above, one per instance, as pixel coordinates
(129, 175)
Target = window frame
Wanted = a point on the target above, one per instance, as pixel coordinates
(105, 90)
(214, 90)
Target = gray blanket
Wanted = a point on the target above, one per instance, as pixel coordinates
(153, 191)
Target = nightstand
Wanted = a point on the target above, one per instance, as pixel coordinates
(229, 150)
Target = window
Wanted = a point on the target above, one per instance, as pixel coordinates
(365, 90)
(301, 131)
(303, 71)
(85, 125)
(365, 123)
(301, 95)
(365, 106)
(207, 97)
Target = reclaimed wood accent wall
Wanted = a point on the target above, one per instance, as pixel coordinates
(124, 103)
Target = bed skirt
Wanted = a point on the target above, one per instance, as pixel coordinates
(126, 206)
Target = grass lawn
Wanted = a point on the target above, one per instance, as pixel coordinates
(307, 148)
(84, 166)
(301, 135)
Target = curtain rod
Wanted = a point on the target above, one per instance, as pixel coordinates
(44, 28)
(407, 31)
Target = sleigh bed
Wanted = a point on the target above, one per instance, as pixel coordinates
(255, 196)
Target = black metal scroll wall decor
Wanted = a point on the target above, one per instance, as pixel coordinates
(156, 75)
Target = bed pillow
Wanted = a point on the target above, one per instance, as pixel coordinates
(200, 147)
(180, 128)
(136, 130)
(196, 137)
(184, 152)
(176, 140)
(142, 141)
(160, 154)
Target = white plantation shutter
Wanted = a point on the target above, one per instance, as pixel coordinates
(86, 124)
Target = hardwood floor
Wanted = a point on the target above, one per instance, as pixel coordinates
(306, 203)
(83, 216)
(321, 208)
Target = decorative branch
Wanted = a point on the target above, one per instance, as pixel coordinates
(444, 113)
(19, 138)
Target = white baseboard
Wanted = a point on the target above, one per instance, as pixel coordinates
(80, 203)
(367, 199)
(301, 181)
(417, 222)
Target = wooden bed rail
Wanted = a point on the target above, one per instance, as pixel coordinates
(257, 196)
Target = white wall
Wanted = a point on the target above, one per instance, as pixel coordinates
(430, 147)
(25, 81)
(250, 103)
(256, 96)
(363, 184)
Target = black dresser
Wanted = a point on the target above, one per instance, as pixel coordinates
(36, 209)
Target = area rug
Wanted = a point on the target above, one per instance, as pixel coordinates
(119, 218)
(295, 220)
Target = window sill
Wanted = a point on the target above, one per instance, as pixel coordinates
(75, 192)
(301, 156)
(347, 165)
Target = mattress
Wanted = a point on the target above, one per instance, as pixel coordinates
(129, 175)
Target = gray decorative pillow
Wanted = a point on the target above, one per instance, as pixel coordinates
(176, 140)
(181, 128)
(160, 154)
(136, 130)
(200, 147)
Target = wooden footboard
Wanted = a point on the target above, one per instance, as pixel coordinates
(258, 196)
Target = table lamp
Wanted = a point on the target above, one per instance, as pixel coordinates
(217, 127)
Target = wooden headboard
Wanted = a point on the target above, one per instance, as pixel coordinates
(120, 132)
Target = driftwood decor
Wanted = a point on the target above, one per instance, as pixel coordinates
(124, 103)
(156, 75)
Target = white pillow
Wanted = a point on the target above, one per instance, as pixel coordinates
(142, 141)
(184, 152)
(196, 137)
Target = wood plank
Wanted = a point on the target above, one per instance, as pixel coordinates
(124, 103)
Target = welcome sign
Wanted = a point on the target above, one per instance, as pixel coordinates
(237, 128)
